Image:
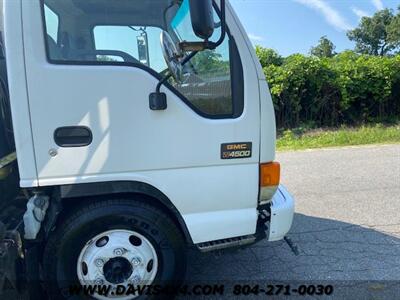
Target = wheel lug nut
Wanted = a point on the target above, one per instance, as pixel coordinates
(136, 279)
(99, 263)
(99, 281)
(118, 252)
(136, 261)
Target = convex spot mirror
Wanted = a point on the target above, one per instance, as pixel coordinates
(172, 56)
(201, 13)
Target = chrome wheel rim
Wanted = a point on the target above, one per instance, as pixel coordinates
(117, 258)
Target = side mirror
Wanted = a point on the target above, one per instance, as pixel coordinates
(143, 49)
(172, 56)
(202, 16)
(201, 13)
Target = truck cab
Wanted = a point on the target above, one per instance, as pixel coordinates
(141, 128)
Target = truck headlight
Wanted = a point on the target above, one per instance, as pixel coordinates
(270, 174)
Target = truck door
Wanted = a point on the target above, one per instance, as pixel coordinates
(89, 80)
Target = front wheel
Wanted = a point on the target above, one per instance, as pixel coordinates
(115, 244)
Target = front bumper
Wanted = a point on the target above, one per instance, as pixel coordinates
(274, 222)
(282, 212)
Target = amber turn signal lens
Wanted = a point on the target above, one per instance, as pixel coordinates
(270, 174)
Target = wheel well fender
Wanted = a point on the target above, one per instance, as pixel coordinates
(70, 193)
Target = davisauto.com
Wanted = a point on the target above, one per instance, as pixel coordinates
(148, 290)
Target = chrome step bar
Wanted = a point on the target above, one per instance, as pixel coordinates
(226, 243)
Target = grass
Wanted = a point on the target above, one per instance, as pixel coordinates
(299, 139)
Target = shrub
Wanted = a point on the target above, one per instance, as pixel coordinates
(347, 89)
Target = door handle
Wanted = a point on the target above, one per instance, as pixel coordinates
(73, 136)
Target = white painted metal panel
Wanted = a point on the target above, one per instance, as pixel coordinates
(268, 125)
(176, 150)
(18, 92)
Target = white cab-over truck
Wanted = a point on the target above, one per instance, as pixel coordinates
(141, 128)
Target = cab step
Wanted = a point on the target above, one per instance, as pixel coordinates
(226, 243)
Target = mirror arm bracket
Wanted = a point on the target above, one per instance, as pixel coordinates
(215, 45)
(162, 81)
(169, 75)
(158, 100)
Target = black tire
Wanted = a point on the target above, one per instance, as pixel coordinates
(65, 244)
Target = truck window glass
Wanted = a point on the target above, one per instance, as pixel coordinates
(52, 23)
(110, 32)
(142, 43)
(207, 77)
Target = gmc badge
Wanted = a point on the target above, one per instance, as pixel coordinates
(236, 150)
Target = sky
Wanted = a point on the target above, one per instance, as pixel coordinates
(294, 26)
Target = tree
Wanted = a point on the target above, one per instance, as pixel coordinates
(325, 48)
(394, 31)
(269, 57)
(377, 35)
(210, 62)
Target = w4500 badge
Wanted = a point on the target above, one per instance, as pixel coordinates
(236, 150)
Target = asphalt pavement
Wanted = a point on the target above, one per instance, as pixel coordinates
(346, 228)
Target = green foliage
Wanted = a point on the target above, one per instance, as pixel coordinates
(210, 62)
(377, 35)
(269, 56)
(346, 89)
(394, 31)
(325, 48)
(378, 134)
(349, 88)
